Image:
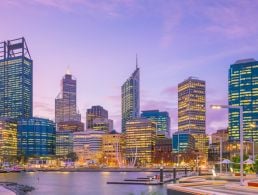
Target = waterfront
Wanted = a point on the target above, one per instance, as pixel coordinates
(81, 183)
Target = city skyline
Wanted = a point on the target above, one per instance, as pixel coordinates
(165, 61)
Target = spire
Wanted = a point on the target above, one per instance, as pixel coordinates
(68, 70)
(136, 61)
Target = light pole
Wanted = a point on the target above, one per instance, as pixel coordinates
(220, 153)
(241, 136)
(253, 126)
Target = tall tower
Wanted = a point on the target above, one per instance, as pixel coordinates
(15, 79)
(65, 103)
(191, 105)
(131, 97)
(243, 91)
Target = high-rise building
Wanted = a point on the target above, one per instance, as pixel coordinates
(65, 103)
(140, 136)
(8, 139)
(88, 145)
(112, 149)
(97, 119)
(64, 143)
(162, 120)
(191, 105)
(73, 126)
(243, 91)
(15, 79)
(36, 137)
(131, 97)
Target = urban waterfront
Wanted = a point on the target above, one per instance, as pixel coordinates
(66, 183)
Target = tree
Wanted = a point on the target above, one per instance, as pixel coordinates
(72, 156)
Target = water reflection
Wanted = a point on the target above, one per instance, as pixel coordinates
(82, 183)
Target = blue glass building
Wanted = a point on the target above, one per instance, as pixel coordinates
(15, 79)
(183, 142)
(162, 120)
(243, 91)
(131, 97)
(36, 137)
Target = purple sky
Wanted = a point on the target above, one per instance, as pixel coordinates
(98, 40)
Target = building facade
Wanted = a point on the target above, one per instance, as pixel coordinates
(140, 139)
(130, 96)
(97, 119)
(243, 91)
(88, 145)
(183, 142)
(112, 148)
(162, 120)
(36, 137)
(8, 140)
(192, 105)
(163, 151)
(64, 143)
(73, 126)
(65, 103)
(16, 82)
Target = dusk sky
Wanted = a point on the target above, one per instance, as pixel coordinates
(99, 39)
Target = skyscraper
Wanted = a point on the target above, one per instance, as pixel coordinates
(96, 115)
(192, 112)
(243, 91)
(191, 105)
(65, 103)
(140, 139)
(131, 97)
(15, 79)
(162, 120)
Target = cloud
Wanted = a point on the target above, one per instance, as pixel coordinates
(233, 19)
(171, 91)
(46, 110)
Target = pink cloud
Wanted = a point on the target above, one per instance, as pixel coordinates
(171, 91)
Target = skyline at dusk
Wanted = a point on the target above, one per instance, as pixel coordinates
(98, 41)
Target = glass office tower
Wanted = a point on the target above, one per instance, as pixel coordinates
(36, 137)
(243, 91)
(15, 79)
(162, 120)
(131, 97)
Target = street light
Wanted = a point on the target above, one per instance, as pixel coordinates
(220, 152)
(241, 136)
(253, 125)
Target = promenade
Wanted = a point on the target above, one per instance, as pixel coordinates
(202, 185)
(4, 191)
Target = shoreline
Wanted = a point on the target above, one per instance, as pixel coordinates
(18, 189)
(105, 170)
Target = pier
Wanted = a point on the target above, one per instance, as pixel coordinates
(160, 179)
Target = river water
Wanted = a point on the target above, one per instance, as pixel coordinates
(82, 183)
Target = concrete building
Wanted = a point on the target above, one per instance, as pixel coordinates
(140, 139)
(64, 143)
(112, 148)
(65, 103)
(8, 140)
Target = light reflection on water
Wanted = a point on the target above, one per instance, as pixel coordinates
(82, 183)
